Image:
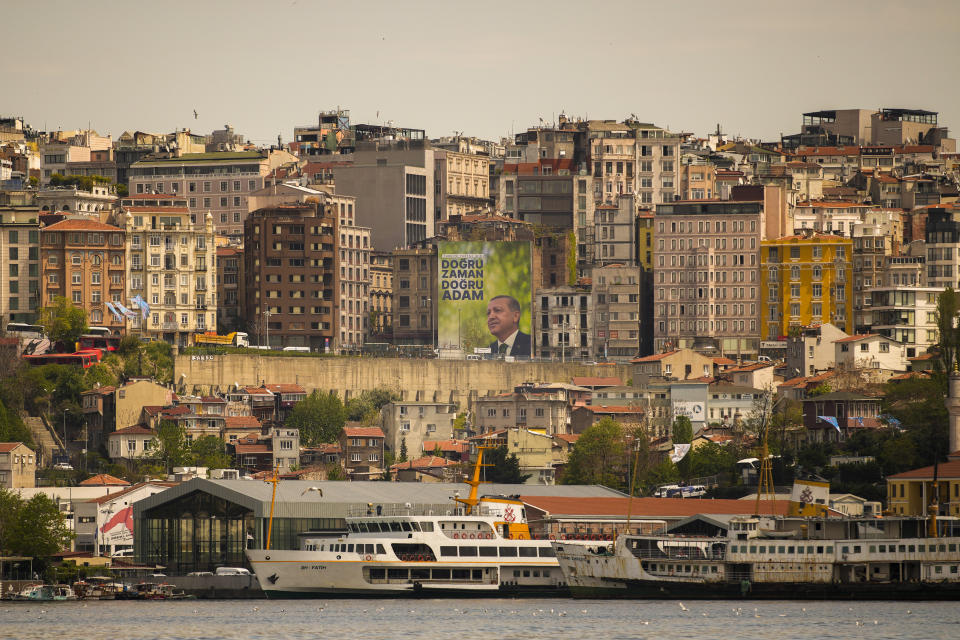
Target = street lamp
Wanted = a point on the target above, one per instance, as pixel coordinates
(266, 324)
(65, 450)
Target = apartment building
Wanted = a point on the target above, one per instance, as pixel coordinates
(698, 181)
(547, 410)
(810, 349)
(393, 183)
(942, 234)
(414, 293)
(231, 290)
(413, 423)
(218, 183)
(172, 267)
(633, 157)
(18, 466)
(291, 274)
(20, 255)
(133, 146)
(362, 449)
(876, 239)
(904, 313)
(381, 294)
(707, 274)
(615, 233)
(85, 262)
(71, 199)
(461, 183)
(806, 280)
(65, 147)
(353, 264)
(645, 225)
(563, 322)
(617, 307)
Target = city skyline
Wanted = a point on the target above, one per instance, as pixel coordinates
(752, 70)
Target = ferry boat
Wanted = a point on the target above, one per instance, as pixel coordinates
(775, 557)
(479, 547)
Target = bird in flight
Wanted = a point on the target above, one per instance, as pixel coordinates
(194, 114)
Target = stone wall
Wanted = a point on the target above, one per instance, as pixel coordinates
(432, 380)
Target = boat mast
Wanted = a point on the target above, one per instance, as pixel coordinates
(765, 482)
(273, 499)
(471, 501)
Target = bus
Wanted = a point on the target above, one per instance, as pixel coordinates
(23, 330)
(98, 331)
(103, 342)
(86, 358)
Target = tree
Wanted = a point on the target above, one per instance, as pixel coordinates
(403, 450)
(598, 457)
(63, 322)
(12, 428)
(711, 459)
(158, 361)
(504, 467)
(319, 417)
(170, 446)
(682, 430)
(948, 305)
(210, 452)
(34, 527)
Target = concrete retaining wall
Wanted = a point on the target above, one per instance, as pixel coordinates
(430, 380)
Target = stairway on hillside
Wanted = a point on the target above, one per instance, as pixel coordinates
(42, 437)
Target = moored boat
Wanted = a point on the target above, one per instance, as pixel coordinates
(481, 546)
(814, 558)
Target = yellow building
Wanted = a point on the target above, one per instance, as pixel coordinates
(645, 238)
(805, 280)
(911, 492)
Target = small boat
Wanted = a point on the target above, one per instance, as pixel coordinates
(97, 588)
(46, 593)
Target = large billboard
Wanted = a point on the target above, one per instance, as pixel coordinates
(485, 298)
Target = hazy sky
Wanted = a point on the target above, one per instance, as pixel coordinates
(484, 68)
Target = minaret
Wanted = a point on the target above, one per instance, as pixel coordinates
(953, 409)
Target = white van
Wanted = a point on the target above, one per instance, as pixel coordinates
(232, 571)
(300, 349)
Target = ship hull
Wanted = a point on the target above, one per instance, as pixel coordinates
(659, 590)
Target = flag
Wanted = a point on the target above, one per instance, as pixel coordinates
(830, 420)
(125, 311)
(113, 310)
(144, 307)
(679, 452)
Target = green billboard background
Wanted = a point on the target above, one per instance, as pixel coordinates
(464, 290)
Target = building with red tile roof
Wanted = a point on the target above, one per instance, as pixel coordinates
(910, 492)
(597, 382)
(555, 515)
(103, 480)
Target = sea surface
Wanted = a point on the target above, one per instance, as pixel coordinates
(487, 619)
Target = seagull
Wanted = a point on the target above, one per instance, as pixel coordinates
(682, 608)
(317, 489)
(194, 114)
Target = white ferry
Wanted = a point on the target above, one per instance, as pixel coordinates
(479, 547)
(782, 557)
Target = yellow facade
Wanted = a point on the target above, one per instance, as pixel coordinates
(805, 280)
(911, 497)
(645, 240)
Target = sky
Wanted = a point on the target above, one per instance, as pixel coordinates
(487, 69)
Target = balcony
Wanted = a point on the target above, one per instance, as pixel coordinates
(136, 267)
(201, 307)
(201, 267)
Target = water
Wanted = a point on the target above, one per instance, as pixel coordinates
(486, 619)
